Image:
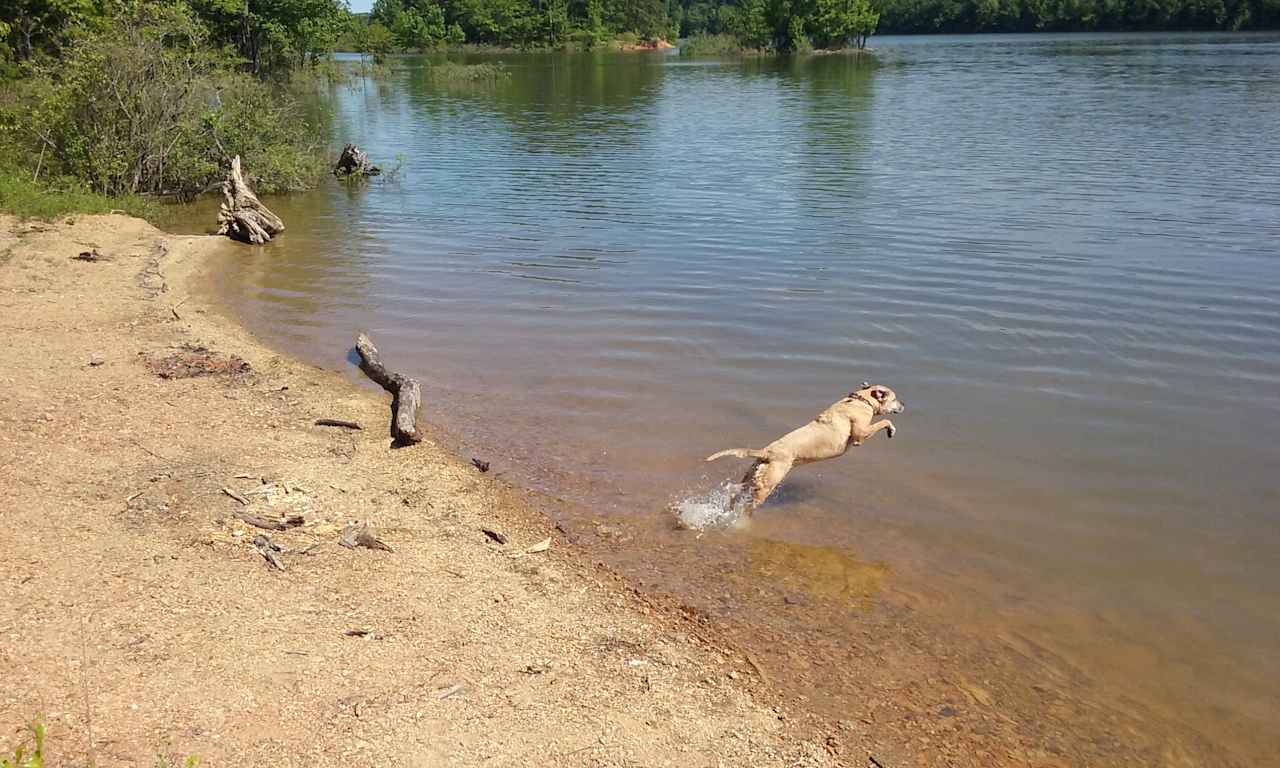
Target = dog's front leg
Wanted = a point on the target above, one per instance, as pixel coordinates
(866, 434)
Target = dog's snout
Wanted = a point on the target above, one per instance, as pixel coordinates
(901, 407)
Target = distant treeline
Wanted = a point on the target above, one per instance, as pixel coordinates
(423, 24)
(709, 17)
(782, 25)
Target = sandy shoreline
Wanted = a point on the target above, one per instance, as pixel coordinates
(139, 621)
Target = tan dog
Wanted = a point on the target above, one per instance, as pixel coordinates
(850, 421)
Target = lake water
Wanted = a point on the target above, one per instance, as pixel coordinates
(1062, 252)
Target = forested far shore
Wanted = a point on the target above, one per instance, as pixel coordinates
(709, 17)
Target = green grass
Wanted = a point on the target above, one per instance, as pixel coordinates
(31, 755)
(28, 199)
(21, 758)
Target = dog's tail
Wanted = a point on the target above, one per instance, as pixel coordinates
(740, 453)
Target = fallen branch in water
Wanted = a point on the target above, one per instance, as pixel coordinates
(406, 396)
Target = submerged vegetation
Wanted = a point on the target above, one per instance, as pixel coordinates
(453, 72)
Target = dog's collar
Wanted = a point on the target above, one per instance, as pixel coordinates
(875, 407)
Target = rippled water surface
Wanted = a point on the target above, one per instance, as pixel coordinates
(1063, 253)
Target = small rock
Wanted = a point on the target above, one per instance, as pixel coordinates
(96, 360)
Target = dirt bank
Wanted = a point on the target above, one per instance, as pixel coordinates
(140, 622)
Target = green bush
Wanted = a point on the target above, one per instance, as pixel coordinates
(142, 104)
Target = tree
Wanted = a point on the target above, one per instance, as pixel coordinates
(378, 42)
(837, 22)
(273, 34)
(752, 26)
(32, 23)
(420, 26)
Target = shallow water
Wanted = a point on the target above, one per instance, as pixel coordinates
(1062, 252)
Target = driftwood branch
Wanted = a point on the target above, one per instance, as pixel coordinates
(338, 423)
(359, 535)
(268, 549)
(282, 524)
(406, 395)
(242, 216)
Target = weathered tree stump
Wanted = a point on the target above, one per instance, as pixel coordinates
(406, 395)
(243, 217)
(354, 162)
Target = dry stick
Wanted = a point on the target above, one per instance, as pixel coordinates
(174, 309)
(153, 453)
(36, 176)
(338, 423)
(284, 524)
(406, 395)
(758, 669)
(84, 684)
(236, 496)
(268, 550)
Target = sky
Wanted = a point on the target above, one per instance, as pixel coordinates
(360, 6)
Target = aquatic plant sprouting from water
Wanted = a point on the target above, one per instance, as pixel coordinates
(451, 72)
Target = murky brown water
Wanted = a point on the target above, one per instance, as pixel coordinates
(1063, 253)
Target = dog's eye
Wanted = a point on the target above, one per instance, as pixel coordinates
(878, 394)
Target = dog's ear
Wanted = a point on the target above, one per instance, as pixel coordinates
(879, 394)
(865, 384)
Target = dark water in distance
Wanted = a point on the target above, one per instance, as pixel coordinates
(1062, 252)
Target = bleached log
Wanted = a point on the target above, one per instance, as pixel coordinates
(406, 394)
(242, 216)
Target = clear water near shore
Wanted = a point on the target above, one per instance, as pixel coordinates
(1062, 252)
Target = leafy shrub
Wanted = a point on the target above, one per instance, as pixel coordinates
(142, 104)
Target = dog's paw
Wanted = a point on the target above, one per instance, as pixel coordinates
(891, 430)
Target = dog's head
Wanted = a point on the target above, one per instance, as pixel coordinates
(883, 399)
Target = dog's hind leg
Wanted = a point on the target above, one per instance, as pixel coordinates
(763, 477)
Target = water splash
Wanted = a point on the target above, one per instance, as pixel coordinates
(722, 507)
